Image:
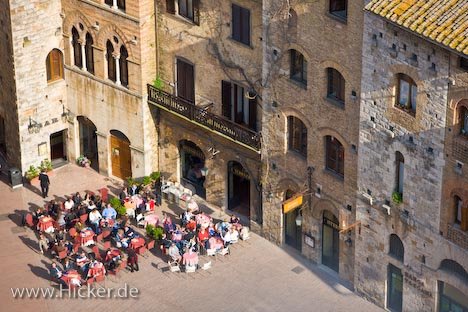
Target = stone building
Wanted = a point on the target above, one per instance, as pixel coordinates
(410, 250)
(205, 103)
(312, 66)
(78, 84)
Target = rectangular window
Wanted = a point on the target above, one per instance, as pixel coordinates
(297, 136)
(188, 9)
(458, 207)
(241, 24)
(339, 8)
(404, 93)
(185, 81)
(407, 92)
(464, 63)
(334, 156)
(237, 107)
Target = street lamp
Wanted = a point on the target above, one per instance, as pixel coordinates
(299, 218)
(33, 126)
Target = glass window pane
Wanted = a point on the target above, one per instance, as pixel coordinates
(414, 93)
(403, 93)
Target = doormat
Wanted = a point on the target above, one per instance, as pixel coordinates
(298, 270)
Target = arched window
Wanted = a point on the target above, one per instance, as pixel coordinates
(110, 61)
(463, 120)
(123, 66)
(335, 86)
(118, 4)
(54, 65)
(292, 20)
(297, 135)
(454, 268)
(298, 67)
(399, 172)
(458, 210)
(77, 57)
(89, 53)
(334, 155)
(339, 8)
(407, 92)
(397, 250)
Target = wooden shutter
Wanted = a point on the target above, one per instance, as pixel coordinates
(196, 11)
(56, 65)
(226, 99)
(185, 81)
(253, 113)
(170, 6)
(236, 22)
(245, 26)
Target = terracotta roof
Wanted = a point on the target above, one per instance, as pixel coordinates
(442, 21)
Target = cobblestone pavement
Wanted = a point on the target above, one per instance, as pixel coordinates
(256, 276)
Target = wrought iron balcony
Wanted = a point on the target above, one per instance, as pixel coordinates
(215, 123)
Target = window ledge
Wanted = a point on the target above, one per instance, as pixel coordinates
(55, 81)
(332, 173)
(405, 110)
(338, 18)
(298, 83)
(335, 102)
(182, 19)
(241, 43)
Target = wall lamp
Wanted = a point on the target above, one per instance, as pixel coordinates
(34, 126)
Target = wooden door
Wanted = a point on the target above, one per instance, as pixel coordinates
(185, 81)
(121, 158)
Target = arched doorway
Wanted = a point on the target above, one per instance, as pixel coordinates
(192, 167)
(120, 155)
(330, 240)
(88, 141)
(292, 231)
(238, 189)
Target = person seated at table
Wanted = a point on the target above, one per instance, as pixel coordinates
(211, 230)
(61, 219)
(186, 217)
(70, 218)
(167, 223)
(81, 259)
(94, 218)
(227, 238)
(79, 226)
(96, 264)
(53, 208)
(55, 272)
(202, 237)
(165, 242)
(134, 190)
(109, 212)
(67, 265)
(234, 235)
(69, 204)
(39, 213)
(77, 199)
(190, 258)
(177, 234)
(129, 232)
(89, 196)
(222, 227)
(59, 236)
(123, 194)
(174, 253)
(111, 260)
(91, 206)
(82, 210)
(150, 202)
(132, 260)
(57, 248)
(43, 243)
(120, 239)
(98, 203)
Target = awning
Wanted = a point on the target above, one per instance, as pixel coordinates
(292, 203)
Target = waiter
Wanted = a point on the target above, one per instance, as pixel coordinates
(45, 182)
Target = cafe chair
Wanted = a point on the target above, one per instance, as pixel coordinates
(224, 251)
(190, 268)
(84, 218)
(140, 219)
(29, 220)
(206, 266)
(105, 233)
(150, 245)
(211, 252)
(174, 268)
(141, 251)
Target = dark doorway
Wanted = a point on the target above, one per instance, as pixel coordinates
(120, 155)
(394, 289)
(58, 147)
(2, 136)
(192, 166)
(238, 189)
(292, 232)
(88, 141)
(185, 81)
(330, 241)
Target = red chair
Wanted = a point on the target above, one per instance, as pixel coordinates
(99, 278)
(83, 218)
(105, 233)
(141, 251)
(107, 245)
(72, 232)
(123, 264)
(99, 238)
(29, 220)
(150, 245)
(62, 254)
(104, 194)
(90, 281)
(76, 246)
(96, 252)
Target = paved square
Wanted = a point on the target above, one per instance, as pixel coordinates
(256, 276)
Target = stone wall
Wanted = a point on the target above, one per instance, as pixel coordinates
(384, 130)
(325, 42)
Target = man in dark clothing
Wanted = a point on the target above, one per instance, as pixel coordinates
(45, 182)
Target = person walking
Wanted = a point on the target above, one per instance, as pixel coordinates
(45, 182)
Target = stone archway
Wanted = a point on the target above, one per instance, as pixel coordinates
(192, 167)
(88, 141)
(121, 157)
(238, 188)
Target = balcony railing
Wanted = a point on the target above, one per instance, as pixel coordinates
(458, 236)
(216, 123)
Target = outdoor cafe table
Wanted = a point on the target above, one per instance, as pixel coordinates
(216, 243)
(203, 220)
(96, 270)
(114, 253)
(107, 223)
(190, 259)
(137, 242)
(152, 219)
(86, 237)
(46, 224)
(130, 206)
(70, 275)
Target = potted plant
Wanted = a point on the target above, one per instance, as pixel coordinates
(155, 176)
(32, 175)
(154, 232)
(117, 205)
(46, 165)
(397, 197)
(83, 161)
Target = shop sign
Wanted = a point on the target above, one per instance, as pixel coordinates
(309, 241)
(331, 224)
(240, 172)
(292, 203)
